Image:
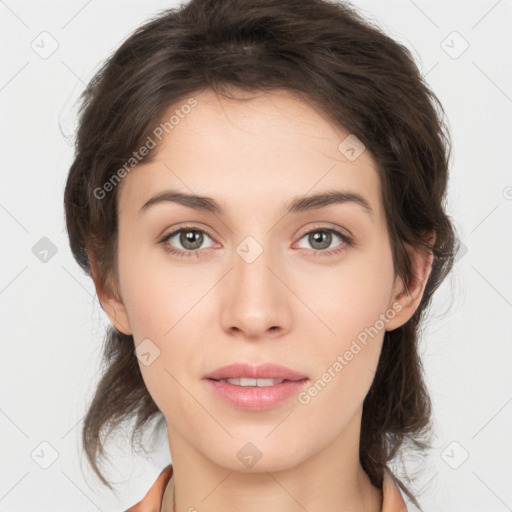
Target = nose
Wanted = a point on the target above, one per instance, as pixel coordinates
(255, 298)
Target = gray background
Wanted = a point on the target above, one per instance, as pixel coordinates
(52, 325)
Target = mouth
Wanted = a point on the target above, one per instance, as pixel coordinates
(244, 374)
(260, 383)
(255, 395)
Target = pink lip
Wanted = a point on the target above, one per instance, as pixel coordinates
(264, 371)
(253, 398)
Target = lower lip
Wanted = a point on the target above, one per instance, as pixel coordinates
(253, 398)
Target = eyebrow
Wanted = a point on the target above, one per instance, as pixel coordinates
(296, 205)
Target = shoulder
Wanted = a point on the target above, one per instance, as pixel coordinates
(153, 498)
(392, 500)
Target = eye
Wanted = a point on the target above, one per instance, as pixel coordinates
(190, 238)
(322, 237)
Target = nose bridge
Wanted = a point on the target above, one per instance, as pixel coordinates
(252, 261)
(256, 301)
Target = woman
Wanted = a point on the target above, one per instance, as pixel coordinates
(257, 194)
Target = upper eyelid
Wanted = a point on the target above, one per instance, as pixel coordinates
(327, 226)
(316, 227)
(187, 228)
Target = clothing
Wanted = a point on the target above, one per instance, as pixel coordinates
(152, 502)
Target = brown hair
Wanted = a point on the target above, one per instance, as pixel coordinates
(325, 52)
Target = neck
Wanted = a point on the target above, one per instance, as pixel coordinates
(331, 479)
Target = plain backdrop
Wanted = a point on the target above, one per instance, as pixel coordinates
(51, 323)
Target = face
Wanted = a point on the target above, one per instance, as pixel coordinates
(311, 288)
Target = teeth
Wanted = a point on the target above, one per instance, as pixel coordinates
(243, 381)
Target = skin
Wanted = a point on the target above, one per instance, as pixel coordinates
(292, 305)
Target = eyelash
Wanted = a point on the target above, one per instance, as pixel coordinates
(347, 241)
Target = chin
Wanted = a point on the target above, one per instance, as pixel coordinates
(253, 456)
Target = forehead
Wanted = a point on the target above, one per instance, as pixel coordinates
(253, 150)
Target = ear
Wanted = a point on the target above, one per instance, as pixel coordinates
(406, 302)
(110, 302)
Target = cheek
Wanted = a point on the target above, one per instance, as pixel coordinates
(160, 301)
(348, 357)
(155, 295)
(352, 299)
(353, 304)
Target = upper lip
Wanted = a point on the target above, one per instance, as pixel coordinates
(264, 371)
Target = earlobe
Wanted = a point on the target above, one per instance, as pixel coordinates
(409, 299)
(110, 302)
